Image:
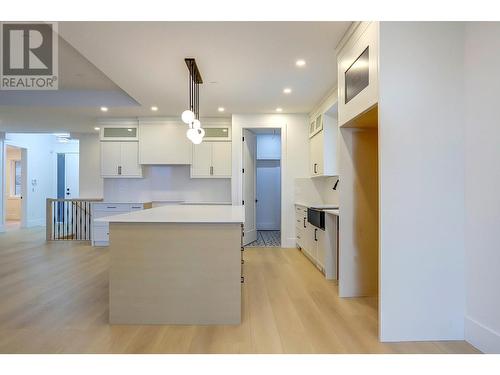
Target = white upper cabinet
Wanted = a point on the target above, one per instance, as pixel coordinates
(358, 72)
(164, 142)
(315, 125)
(211, 160)
(120, 160)
(323, 155)
(221, 159)
(202, 160)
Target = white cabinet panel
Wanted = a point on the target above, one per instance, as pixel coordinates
(221, 159)
(130, 160)
(316, 154)
(320, 247)
(202, 160)
(323, 149)
(164, 143)
(120, 160)
(358, 59)
(211, 160)
(110, 158)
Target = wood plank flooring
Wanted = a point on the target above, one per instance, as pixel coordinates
(54, 299)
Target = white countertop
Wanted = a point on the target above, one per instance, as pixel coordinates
(333, 212)
(182, 214)
(318, 205)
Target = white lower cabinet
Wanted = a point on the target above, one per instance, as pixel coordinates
(211, 160)
(100, 231)
(319, 245)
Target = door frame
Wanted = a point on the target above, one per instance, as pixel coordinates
(237, 176)
(24, 184)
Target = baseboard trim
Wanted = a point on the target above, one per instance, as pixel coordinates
(482, 337)
(289, 243)
(35, 223)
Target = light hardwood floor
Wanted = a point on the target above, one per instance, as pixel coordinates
(54, 299)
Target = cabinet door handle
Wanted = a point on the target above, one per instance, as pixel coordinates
(315, 168)
(211, 171)
(315, 231)
(304, 222)
(119, 169)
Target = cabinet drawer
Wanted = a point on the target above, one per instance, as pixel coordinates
(111, 207)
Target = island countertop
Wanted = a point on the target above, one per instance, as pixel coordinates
(182, 214)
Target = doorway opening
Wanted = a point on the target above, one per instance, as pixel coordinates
(15, 186)
(262, 187)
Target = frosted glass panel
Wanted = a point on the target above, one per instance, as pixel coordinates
(217, 132)
(120, 132)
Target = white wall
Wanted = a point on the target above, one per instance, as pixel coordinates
(482, 185)
(268, 182)
(2, 180)
(90, 180)
(168, 183)
(294, 161)
(40, 168)
(421, 166)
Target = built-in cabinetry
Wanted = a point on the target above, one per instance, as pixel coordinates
(358, 72)
(323, 148)
(164, 142)
(119, 160)
(319, 245)
(120, 150)
(100, 230)
(211, 160)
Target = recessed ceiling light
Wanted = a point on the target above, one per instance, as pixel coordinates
(287, 90)
(221, 109)
(97, 128)
(279, 109)
(300, 62)
(154, 108)
(104, 109)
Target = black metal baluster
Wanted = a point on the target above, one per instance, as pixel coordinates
(53, 208)
(67, 220)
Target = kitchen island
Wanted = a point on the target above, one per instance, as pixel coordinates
(178, 264)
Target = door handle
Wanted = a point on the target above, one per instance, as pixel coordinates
(315, 168)
(315, 231)
(119, 169)
(304, 222)
(211, 171)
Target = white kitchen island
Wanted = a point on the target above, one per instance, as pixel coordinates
(178, 264)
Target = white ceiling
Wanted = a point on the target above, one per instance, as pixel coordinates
(130, 66)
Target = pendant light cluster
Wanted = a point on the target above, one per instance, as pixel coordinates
(191, 116)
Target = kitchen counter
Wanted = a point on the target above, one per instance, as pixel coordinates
(182, 214)
(318, 205)
(176, 264)
(333, 212)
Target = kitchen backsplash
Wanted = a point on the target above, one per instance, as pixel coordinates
(317, 190)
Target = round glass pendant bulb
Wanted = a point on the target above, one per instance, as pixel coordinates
(191, 133)
(197, 139)
(201, 132)
(196, 124)
(187, 116)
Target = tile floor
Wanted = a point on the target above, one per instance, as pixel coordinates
(267, 238)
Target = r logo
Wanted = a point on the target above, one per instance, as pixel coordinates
(29, 56)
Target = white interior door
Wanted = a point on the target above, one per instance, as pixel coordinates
(71, 175)
(249, 156)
